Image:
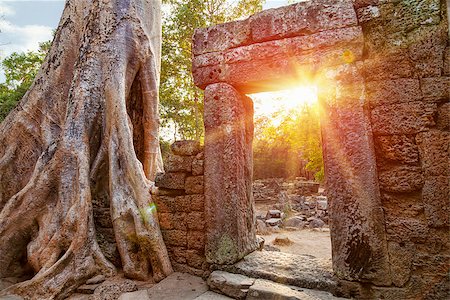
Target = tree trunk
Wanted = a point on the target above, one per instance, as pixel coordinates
(86, 130)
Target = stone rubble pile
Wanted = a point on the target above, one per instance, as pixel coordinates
(269, 190)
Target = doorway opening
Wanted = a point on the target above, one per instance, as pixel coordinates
(288, 172)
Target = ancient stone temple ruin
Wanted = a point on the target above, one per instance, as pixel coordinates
(382, 70)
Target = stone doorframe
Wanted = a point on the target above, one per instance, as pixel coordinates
(310, 39)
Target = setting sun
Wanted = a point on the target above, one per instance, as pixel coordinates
(266, 104)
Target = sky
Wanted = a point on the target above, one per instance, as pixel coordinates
(24, 24)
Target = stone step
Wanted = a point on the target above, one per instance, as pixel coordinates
(303, 271)
(243, 287)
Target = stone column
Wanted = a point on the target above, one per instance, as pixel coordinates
(356, 216)
(229, 201)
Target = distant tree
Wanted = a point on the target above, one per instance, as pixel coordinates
(20, 70)
(289, 149)
(181, 104)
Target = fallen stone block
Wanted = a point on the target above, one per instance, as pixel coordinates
(233, 285)
(268, 290)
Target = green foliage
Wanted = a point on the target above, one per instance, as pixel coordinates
(20, 70)
(288, 149)
(181, 104)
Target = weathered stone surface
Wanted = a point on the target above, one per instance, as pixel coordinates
(426, 48)
(301, 19)
(393, 91)
(212, 296)
(233, 285)
(194, 185)
(434, 152)
(400, 205)
(401, 258)
(195, 221)
(186, 148)
(299, 270)
(436, 200)
(177, 163)
(399, 148)
(166, 192)
(268, 290)
(447, 62)
(96, 279)
(168, 221)
(391, 66)
(406, 230)
(356, 214)
(196, 259)
(404, 118)
(87, 288)
(168, 180)
(221, 37)
(168, 204)
(141, 295)
(228, 174)
(295, 221)
(198, 164)
(436, 88)
(111, 290)
(175, 237)
(178, 254)
(196, 240)
(401, 179)
(196, 202)
(178, 286)
(443, 119)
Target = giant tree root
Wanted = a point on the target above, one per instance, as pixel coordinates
(91, 114)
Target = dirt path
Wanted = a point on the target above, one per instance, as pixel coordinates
(311, 242)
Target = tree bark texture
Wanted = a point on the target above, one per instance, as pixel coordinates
(87, 129)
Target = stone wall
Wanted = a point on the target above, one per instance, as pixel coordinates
(406, 72)
(180, 203)
(383, 69)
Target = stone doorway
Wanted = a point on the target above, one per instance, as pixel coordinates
(277, 48)
(374, 80)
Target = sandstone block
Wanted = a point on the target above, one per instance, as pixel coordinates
(393, 91)
(401, 257)
(267, 290)
(434, 152)
(196, 202)
(168, 221)
(178, 254)
(399, 205)
(404, 118)
(196, 240)
(168, 204)
(443, 119)
(175, 237)
(177, 163)
(401, 179)
(436, 200)
(197, 167)
(194, 185)
(195, 259)
(221, 37)
(436, 88)
(233, 285)
(399, 148)
(390, 66)
(166, 192)
(186, 148)
(174, 181)
(407, 230)
(195, 221)
(112, 290)
(301, 19)
(447, 62)
(228, 174)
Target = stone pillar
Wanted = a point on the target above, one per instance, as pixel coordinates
(229, 204)
(356, 216)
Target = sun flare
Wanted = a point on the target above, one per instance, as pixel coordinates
(284, 101)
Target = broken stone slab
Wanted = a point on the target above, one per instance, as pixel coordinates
(268, 290)
(209, 295)
(273, 213)
(141, 295)
(273, 222)
(315, 222)
(303, 271)
(233, 285)
(186, 148)
(178, 163)
(96, 279)
(296, 222)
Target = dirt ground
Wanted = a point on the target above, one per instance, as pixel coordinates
(306, 241)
